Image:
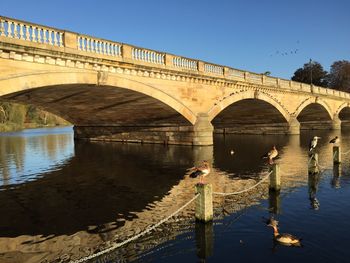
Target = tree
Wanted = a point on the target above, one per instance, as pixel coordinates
(312, 73)
(339, 76)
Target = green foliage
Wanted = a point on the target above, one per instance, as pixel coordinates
(339, 76)
(312, 72)
(16, 117)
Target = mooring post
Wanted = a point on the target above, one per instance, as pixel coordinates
(313, 164)
(336, 154)
(204, 203)
(275, 178)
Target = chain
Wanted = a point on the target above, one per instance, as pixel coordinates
(149, 229)
(245, 190)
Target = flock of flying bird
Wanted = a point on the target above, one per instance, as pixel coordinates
(282, 238)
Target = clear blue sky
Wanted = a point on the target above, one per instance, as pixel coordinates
(254, 35)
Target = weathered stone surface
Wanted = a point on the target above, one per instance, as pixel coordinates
(119, 84)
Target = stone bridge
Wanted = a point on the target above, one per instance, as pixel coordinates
(118, 92)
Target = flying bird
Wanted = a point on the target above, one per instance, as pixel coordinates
(313, 143)
(201, 171)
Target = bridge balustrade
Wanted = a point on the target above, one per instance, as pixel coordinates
(99, 46)
(29, 32)
(185, 63)
(12, 28)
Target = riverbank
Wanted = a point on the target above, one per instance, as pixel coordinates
(13, 127)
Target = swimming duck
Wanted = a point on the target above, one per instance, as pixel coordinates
(284, 239)
(313, 143)
(201, 171)
(271, 154)
(335, 140)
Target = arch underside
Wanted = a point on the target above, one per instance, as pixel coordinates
(252, 116)
(109, 113)
(344, 116)
(100, 105)
(314, 116)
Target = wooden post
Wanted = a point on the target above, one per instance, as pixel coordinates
(336, 154)
(204, 203)
(313, 164)
(275, 178)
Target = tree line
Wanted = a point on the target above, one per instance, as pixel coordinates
(16, 117)
(313, 73)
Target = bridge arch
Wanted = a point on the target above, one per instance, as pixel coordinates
(343, 113)
(316, 101)
(251, 94)
(19, 84)
(343, 106)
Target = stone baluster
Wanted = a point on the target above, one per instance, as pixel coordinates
(102, 47)
(83, 44)
(89, 44)
(108, 48)
(21, 35)
(9, 29)
(60, 37)
(27, 37)
(15, 31)
(50, 37)
(139, 54)
(41, 37)
(98, 46)
(2, 27)
(54, 38)
(44, 36)
(33, 34)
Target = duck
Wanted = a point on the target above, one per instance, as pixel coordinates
(285, 238)
(335, 140)
(202, 171)
(271, 154)
(313, 143)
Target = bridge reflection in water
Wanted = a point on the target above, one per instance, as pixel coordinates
(104, 193)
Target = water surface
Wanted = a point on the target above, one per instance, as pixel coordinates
(61, 200)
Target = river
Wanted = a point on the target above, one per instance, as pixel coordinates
(61, 200)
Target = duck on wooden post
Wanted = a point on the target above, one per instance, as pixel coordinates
(201, 171)
(285, 238)
(335, 140)
(270, 155)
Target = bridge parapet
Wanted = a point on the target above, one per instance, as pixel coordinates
(29, 34)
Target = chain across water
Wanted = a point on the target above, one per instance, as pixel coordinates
(149, 229)
(245, 190)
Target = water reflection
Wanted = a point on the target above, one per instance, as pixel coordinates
(26, 155)
(313, 182)
(99, 193)
(337, 171)
(204, 240)
(275, 202)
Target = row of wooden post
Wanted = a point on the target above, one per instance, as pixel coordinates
(204, 202)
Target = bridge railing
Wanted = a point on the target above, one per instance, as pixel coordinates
(98, 46)
(184, 63)
(17, 29)
(14, 29)
(147, 55)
